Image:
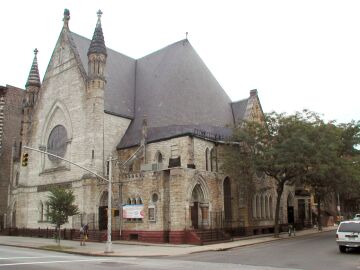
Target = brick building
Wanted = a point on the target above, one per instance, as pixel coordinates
(11, 99)
(164, 117)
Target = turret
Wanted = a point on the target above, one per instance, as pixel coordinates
(95, 97)
(32, 87)
(97, 56)
(33, 84)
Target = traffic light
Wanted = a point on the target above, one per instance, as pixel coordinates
(25, 158)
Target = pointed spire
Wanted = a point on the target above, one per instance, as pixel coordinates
(66, 18)
(34, 78)
(97, 43)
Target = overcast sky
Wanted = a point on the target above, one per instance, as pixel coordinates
(298, 54)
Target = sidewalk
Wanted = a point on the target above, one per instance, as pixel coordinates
(139, 249)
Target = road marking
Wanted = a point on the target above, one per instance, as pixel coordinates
(25, 263)
(34, 257)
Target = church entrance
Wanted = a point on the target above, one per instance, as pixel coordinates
(199, 209)
(195, 215)
(103, 211)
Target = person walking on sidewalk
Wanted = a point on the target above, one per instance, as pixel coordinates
(86, 233)
(81, 231)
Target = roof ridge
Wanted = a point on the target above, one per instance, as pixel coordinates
(163, 48)
(241, 100)
(107, 48)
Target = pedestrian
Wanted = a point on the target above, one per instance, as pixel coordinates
(81, 235)
(86, 233)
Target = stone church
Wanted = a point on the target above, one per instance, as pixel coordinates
(163, 119)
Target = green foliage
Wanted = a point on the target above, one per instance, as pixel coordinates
(61, 206)
(290, 148)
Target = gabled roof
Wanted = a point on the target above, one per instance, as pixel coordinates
(120, 78)
(172, 87)
(175, 88)
(239, 109)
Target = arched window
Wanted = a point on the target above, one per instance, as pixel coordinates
(267, 214)
(271, 207)
(207, 159)
(254, 207)
(133, 201)
(138, 201)
(258, 207)
(47, 212)
(262, 207)
(213, 160)
(129, 201)
(41, 211)
(159, 157)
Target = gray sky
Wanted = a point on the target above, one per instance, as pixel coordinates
(298, 54)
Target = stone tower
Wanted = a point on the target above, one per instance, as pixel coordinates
(32, 87)
(95, 97)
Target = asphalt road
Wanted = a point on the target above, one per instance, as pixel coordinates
(32, 259)
(312, 252)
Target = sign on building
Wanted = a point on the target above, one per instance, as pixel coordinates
(133, 211)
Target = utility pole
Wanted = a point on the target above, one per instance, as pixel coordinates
(108, 245)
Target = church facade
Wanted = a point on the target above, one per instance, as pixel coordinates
(163, 119)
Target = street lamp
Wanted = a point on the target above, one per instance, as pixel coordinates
(108, 245)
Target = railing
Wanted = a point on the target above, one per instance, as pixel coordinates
(65, 234)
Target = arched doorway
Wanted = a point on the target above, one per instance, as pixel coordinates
(103, 211)
(227, 200)
(290, 209)
(199, 208)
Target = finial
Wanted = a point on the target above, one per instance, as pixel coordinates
(66, 17)
(97, 44)
(99, 13)
(186, 35)
(34, 78)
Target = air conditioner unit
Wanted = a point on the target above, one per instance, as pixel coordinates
(152, 167)
(147, 167)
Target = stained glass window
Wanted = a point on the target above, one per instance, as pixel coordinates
(57, 143)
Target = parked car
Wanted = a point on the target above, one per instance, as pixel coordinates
(348, 235)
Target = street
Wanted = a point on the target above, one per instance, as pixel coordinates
(312, 252)
(32, 259)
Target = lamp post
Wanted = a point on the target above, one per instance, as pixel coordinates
(108, 245)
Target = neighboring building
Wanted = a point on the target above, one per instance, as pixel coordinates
(164, 117)
(11, 99)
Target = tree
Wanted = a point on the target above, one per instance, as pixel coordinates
(61, 207)
(333, 163)
(278, 147)
(325, 169)
(296, 148)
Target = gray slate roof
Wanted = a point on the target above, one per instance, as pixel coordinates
(120, 78)
(172, 87)
(239, 109)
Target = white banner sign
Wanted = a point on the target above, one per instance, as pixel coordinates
(133, 211)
